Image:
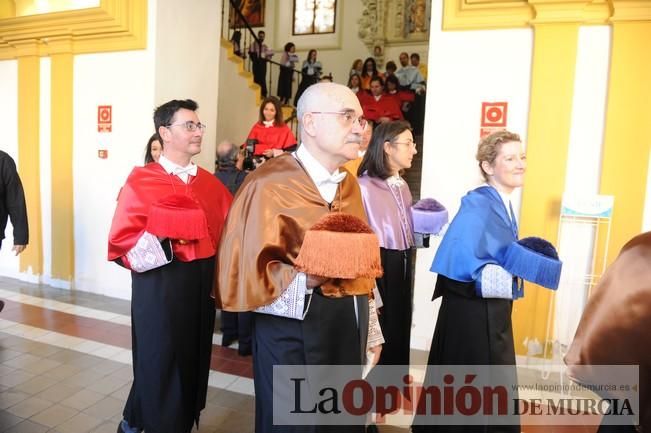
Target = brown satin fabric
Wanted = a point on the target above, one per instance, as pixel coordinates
(615, 328)
(264, 231)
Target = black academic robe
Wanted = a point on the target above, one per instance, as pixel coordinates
(172, 308)
(12, 201)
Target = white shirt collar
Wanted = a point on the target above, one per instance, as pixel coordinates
(506, 199)
(268, 123)
(325, 181)
(173, 168)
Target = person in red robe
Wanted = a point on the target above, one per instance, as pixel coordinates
(378, 107)
(166, 229)
(270, 134)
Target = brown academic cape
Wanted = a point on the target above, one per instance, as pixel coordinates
(615, 328)
(264, 232)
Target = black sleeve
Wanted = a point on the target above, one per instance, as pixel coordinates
(15, 202)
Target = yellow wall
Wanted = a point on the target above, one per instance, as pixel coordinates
(117, 25)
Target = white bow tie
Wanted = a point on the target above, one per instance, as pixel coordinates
(268, 124)
(189, 169)
(334, 178)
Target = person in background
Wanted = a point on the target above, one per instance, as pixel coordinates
(353, 165)
(357, 67)
(153, 149)
(472, 329)
(12, 204)
(310, 73)
(387, 201)
(234, 326)
(271, 135)
(165, 230)
(370, 71)
(379, 107)
(411, 79)
(260, 53)
(415, 62)
(236, 41)
(286, 76)
(404, 98)
(390, 69)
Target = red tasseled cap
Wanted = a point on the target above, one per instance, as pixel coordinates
(177, 216)
(340, 246)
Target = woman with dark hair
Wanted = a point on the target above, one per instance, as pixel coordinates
(387, 201)
(270, 134)
(154, 149)
(369, 71)
(310, 74)
(287, 60)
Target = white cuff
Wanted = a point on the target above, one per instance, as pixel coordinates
(495, 282)
(375, 337)
(148, 254)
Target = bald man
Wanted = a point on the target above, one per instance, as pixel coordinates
(264, 232)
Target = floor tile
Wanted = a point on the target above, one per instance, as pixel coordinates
(54, 415)
(59, 392)
(28, 426)
(8, 420)
(107, 385)
(15, 378)
(63, 371)
(82, 399)
(36, 384)
(29, 407)
(105, 409)
(11, 397)
(106, 427)
(80, 423)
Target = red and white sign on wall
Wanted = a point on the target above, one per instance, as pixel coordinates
(493, 117)
(104, 127)
(104, 118)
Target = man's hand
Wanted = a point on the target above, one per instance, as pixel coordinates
(315, 281)
(18, 249)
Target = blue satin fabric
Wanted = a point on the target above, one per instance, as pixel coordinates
(479, 234)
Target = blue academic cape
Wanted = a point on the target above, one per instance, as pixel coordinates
(479, 234)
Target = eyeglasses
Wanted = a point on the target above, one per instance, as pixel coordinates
(190, 126)
(409, 143)
(348, 115)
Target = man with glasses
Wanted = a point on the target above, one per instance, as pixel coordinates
(264, 232)
(165, 230)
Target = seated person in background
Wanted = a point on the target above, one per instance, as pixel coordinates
(354, 83)
(404, 97)
(379, 107)
(415, 62)
(390, 69)
(271, 135)
(234, 326)
(409, 76)
(370, 71)
(357, 67)
(154, 149)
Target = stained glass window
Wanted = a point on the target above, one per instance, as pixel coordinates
(314, 16)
